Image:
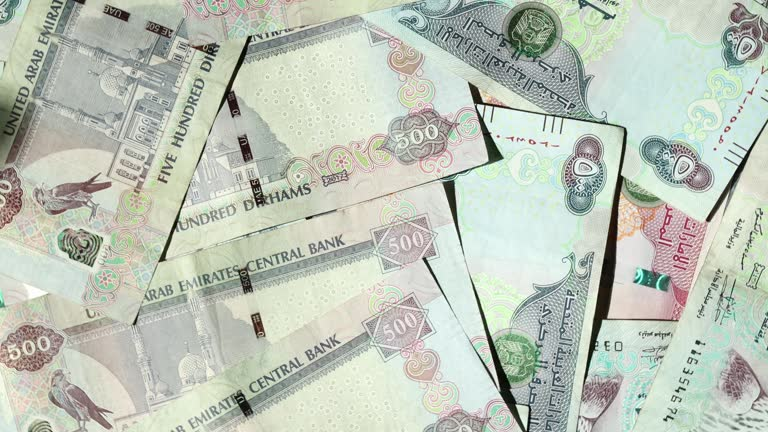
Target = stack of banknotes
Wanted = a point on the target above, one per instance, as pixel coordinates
(383, 215)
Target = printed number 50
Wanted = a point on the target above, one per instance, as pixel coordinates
(29, 348)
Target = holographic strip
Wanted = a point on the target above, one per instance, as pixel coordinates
(651, 279)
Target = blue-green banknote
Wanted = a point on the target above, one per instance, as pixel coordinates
(534, 227)
(686, 78)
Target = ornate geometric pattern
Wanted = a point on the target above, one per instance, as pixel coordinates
(743, 41)
(80, 245)
(676, 164)
(418, 136)
(458, 421)
(403, 242)
(398, 327)
(584, 175)
(10, 196)
(30, 347)
(534, 30)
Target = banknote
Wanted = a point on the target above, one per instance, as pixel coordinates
(358, 245)
(714, 375)
(534, 227)
(104, 109)
(11, 13)
(207, 311)
(659, 252)
(323, 118)
(687, 79)
(212, 21)
(13, 291)
(392, 358)
(625, 359)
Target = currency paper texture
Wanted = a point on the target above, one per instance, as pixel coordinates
(625, 359)
(687, 79)
(105, 114)
(12, 291)
(203, 315)
(354, 246)
(11, 14)
(320, 119)
(392, 358)
(659, 253)
(715, 372)
(534, 227)
(212, 21)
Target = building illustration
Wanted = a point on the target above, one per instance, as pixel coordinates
(223, 170)
(145, 82)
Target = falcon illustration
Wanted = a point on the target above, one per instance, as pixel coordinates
(70, 196)
(75, 402)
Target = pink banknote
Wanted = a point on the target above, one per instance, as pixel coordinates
(659, 252)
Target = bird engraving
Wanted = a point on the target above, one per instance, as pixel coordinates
(70, 196)
(76, 402)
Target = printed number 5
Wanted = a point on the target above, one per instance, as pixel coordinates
(402, 140)
(388, 333)
(14, 352)
(29, 347)
(394, 247)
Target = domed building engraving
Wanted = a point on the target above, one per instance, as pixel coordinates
(140, 85)
(193, 371)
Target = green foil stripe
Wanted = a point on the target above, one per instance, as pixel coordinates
(651, 279)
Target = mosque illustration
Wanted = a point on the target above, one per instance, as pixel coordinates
(222, 169)
(193, 369)
(144, 86)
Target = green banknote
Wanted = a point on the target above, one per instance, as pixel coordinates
(322, 118)
(391, 358)
(715, 372)
(625, 359)
(686, 78)
(534, 227)
(104, 110)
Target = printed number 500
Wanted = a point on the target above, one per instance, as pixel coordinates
(29, 348)
(405, 243)
(400, 326)
(416, 136)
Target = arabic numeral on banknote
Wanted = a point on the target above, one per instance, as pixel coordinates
(419, 136)
(320, 277)
(398, 326)
(676, 163)
(404, 242)
(584, 175)
(30, 347)
(10, 196)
